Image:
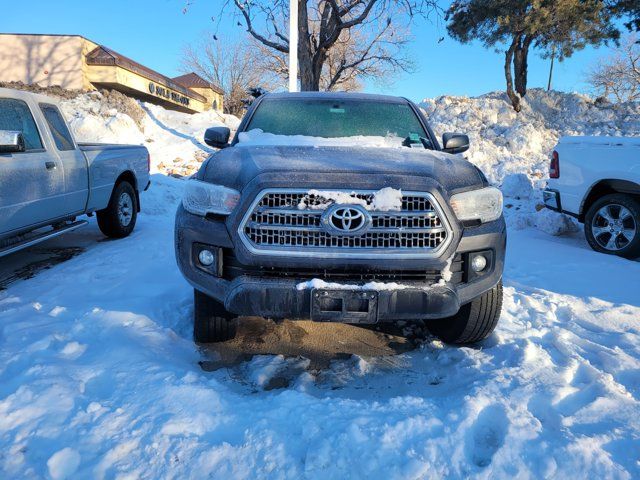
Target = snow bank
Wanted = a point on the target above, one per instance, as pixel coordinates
(174, 139)
(513, 149)
(504, 142)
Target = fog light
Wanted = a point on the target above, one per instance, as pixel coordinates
(206, 258)
(479, 263)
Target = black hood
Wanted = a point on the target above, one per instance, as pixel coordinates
(236, 166)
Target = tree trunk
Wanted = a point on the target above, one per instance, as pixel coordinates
(308, 82)
(520, 64)
(508, 60)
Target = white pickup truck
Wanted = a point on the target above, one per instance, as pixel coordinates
(597, 180)
(47, 180)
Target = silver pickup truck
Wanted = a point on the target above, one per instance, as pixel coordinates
(47, 180)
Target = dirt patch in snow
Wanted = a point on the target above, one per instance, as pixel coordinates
(54, 91)
(320, 343)
(112, 99)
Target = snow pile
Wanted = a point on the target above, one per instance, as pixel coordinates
(174, 139)
(504, 142)
(257, 137)
(384, 200)
(554, 224)
(517, 185)
(507, 146)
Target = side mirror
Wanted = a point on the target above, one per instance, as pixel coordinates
(11, 142)
(455, 142)
(217, 137)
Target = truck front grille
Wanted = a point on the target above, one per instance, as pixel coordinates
(286, 222)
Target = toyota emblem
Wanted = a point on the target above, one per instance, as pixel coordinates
(346, 219)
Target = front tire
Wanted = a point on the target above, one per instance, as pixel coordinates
(211, 322)
(119, 218)
(474, 321)
(612, 225)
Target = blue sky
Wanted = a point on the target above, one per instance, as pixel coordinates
(153, 32)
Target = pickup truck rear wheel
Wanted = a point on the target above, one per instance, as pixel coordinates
(612, 225)
(474, 322)
(211, 322)
(119, 218)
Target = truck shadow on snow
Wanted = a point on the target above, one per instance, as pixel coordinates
(28, 264)
(32, 261)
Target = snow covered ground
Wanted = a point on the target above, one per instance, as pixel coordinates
(99, 378)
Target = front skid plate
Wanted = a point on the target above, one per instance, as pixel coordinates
(345, 306)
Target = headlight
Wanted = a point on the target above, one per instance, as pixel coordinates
(201, 198)
(484, 204)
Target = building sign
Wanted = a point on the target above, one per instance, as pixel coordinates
(163, 92)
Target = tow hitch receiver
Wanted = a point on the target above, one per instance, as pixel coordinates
(344, 306)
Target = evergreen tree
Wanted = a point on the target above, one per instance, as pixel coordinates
(630, 8)
(555, 27)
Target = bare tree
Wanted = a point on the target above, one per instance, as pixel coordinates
(326, 25)
(617, 77)
(355, 57)
(235, 66)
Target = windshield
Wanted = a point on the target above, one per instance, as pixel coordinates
(340, 118)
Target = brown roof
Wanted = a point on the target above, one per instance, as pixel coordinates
(193, 80)
(102, 55)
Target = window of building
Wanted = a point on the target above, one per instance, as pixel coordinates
(15, 116)
(58, 127)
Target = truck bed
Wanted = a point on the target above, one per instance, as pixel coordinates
(105, 160)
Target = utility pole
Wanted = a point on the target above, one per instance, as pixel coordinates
(293, 45)
(553, 56)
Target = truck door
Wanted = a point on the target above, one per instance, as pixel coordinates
(76, 179)
(31, 182)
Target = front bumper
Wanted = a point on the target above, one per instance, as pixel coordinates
(292, 298)
(275, 298)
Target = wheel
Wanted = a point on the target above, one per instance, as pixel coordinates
(474, 322)
(211, 322)
(119, 218)
(612, 225)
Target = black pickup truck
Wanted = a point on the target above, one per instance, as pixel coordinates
(341, 207)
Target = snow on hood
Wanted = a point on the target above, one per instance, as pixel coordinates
(257, 137)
